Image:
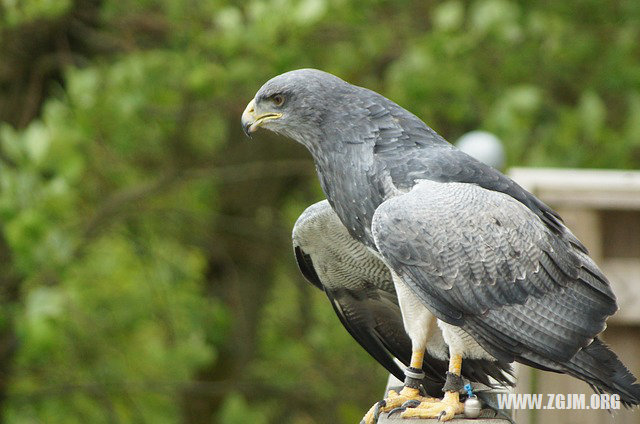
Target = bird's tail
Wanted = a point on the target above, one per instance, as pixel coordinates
(600, 367)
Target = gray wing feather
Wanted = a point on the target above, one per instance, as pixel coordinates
(358, 285)
(482, 260)
(361, 291)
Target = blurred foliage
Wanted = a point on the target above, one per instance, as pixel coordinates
(147, 273)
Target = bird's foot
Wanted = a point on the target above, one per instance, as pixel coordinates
(443, 410)
(394, 400)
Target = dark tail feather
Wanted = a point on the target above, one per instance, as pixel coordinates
(479, 370)
(601, 368)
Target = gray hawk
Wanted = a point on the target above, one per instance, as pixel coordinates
(504, 277)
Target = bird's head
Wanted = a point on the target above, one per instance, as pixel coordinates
(294, 104)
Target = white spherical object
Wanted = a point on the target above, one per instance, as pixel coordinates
(483, 146)
(472, 407)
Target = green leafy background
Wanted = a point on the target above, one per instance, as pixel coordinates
(146, 268)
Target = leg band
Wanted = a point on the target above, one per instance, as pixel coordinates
(413, 377)
(453, 384)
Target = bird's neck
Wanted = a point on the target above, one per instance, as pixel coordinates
(354, 186)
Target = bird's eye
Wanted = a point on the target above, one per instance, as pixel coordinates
(278, 99)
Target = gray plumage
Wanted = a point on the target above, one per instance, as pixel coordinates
(496, 270)
(463, 240)
(360, 289)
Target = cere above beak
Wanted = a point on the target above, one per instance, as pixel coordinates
(251, 121)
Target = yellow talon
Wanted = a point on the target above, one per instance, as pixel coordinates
(444, 410)
(395, 400)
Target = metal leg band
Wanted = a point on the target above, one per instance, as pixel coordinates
(413, 377)
(454, 383)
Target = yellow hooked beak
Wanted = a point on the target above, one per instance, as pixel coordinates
(251, 121)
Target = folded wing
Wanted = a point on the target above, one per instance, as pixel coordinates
(481, 260)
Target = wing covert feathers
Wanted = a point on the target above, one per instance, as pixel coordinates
(481, 260)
